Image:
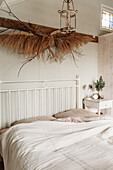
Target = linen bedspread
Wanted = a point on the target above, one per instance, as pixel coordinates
(54, 145)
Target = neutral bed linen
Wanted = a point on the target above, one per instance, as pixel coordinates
(46, 145)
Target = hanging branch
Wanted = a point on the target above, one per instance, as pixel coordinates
(1, 31)
(24, 63)
(26, 27)
(33, 40)
(78, 53)
(10, 12)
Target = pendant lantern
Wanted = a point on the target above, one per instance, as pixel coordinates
(68, 16)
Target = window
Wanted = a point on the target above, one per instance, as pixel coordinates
(106, 18)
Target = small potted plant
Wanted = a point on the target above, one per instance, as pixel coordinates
(99, 85)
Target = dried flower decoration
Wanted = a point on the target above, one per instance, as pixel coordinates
(33, 40)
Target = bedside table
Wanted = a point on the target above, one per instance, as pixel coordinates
(98, 104)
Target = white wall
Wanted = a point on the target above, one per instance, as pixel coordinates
(44, 12)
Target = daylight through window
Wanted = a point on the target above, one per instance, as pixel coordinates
(107, 18)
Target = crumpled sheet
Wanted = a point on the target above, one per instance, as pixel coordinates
(59, 146)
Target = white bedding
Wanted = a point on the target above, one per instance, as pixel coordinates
(59, 146)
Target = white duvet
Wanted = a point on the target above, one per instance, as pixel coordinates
(48, 145)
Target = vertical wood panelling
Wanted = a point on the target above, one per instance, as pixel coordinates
(105, 64)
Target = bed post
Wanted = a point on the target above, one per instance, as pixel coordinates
(77, 91)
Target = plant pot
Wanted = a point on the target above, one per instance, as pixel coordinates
(100, 96)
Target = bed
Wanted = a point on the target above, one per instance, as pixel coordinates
(72, 140)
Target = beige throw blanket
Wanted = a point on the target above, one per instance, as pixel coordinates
(45, 145)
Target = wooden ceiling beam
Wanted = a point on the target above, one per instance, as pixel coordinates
(40, 29)
(20, 25)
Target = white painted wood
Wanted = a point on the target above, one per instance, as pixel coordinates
(35, 102)
(9, 102)
(26, 102)
(27, 99)
(98, 104)
(42, 104)
(77, 91)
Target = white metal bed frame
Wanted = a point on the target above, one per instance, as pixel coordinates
(25, 99)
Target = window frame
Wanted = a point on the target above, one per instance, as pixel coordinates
(109, 10)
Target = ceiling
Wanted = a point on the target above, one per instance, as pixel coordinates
(9, 2)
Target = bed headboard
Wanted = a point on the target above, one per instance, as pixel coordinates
(25, 99)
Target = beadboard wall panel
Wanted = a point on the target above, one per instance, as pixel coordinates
(105, 63)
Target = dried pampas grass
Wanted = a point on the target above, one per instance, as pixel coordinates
(34, 40)
(32, 45)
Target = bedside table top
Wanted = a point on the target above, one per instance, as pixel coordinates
(98, 100)
(98, 104)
